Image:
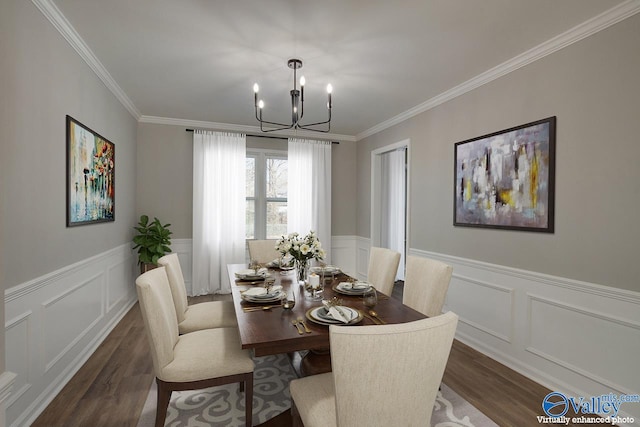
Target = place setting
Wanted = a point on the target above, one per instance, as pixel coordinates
(270, 295)
(334, 312)
(352, 287)
(255, 274)
(263, 295)
(326, 270)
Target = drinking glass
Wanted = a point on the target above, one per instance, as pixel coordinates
(253, 264)
(370, 297)
(289, 299)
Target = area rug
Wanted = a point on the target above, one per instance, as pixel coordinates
(224, 405)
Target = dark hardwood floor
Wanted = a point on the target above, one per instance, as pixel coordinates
(111, 387)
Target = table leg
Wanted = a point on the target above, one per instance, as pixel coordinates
(316, 361)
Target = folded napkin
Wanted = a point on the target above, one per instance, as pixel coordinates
(252, 272)
(357, 286)
(255, 292)
(273, 290)
(336, 312)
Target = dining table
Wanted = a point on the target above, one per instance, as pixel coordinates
(268, 328)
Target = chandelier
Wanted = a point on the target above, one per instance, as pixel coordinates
(297, 105)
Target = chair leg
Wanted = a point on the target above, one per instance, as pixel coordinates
(248, 399)
(164, 395)
(296, 421)
(241, 386)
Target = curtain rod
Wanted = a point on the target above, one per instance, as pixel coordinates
(270, 137)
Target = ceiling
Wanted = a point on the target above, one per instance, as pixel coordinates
(197, 60)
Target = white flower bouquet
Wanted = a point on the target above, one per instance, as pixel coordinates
(301, 248)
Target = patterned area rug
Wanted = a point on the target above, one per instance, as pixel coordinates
(224, 405)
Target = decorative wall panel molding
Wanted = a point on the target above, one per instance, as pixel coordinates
(574, 337)
(343, 251)
(56, 321)
(363, 245)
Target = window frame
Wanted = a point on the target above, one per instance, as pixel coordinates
(261, 155)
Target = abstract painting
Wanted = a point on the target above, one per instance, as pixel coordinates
(506, 179)
(90, 176)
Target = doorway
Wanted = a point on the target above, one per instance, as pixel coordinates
(389, 199)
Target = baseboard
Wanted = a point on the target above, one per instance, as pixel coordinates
(55, 323)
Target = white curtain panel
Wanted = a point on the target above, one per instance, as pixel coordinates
(309, 198)
(218, 209)
(393, 195)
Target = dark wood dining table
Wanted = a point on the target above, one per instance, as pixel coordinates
(271, 331)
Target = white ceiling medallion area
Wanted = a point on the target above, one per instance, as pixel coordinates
(573, 35)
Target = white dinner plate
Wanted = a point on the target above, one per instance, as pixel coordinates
(273, 297)
(320, 316)
(346, 288)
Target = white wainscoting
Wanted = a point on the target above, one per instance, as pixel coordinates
(363, 246)
(578, 338)
(55, 322)
(343, 253)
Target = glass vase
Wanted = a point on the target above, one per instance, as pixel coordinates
(302, 269)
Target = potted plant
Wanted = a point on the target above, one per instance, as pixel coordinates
(152, 241)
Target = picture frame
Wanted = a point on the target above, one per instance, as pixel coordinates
(90, 175)
(506, 179)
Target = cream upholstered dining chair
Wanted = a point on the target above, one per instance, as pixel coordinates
(263, 251)
(383, 266)
(364, 389)
(426, 283)
(200, 359)
(205, 315)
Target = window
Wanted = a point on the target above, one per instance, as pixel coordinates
(266, 212)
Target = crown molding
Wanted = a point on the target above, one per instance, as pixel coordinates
(241, 128)
(64, 27)
(598, 23)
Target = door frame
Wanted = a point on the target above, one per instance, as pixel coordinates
(375, 192)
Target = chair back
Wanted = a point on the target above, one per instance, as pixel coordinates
(176, 282)
(389, 375)
(383, 266)
(425, 285)
(159, 316)
(263, 251)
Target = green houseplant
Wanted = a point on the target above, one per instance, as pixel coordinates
(152, 241)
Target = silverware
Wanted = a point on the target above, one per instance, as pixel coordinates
(306, 328)
(295, 323)
(374, 314)
(266, 307)
(243, 283)
(373, 319)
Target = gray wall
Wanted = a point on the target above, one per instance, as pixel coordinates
(42, 80)
(164, 178)
(592, 87)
